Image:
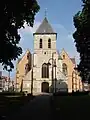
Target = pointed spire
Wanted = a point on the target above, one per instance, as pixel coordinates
(45, 28)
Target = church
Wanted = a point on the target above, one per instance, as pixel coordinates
(46, 70)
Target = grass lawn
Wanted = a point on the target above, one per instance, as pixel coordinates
(10, 104)
(71, 107)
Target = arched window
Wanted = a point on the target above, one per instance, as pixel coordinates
(27, 68)
(63, 56)
(17, 71)
(49, 43)
(40, 44)
(64, 67)
(45, 71)
(28, 56)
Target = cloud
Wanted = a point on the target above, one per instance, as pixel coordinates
(70, 36)
(26, 34)
(28, 29)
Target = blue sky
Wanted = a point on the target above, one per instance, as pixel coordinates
(60, 15)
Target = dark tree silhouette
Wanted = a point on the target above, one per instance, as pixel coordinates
(13, 15)
(82, 39)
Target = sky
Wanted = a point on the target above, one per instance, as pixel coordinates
(60, 15)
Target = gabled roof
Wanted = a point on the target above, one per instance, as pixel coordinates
(45, 28)
(19, 59)
(72, 59)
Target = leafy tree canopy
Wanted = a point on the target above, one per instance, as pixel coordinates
(13, 15)
(82, 39)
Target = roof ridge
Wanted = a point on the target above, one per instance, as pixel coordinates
(19, 59)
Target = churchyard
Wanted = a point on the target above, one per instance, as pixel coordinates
(72, 107)
(12, 102)
(66, 106)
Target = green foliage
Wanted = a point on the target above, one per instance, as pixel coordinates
(82, 39)
(13, 15)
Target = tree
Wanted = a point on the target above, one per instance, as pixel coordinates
(13, 15)
(82, 39)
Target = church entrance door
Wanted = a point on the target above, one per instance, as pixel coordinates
(45, 87)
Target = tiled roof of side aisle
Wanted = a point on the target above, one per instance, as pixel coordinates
(73, 60)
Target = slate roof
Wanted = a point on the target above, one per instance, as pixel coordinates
(59, 57)
(73, 60)
(44, 28)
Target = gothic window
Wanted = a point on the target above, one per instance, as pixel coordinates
(40, 44)
(64, 67)
(45, 71)
(63, 56)
(17, 71)
(49, 43)
(27, 68)
(28, 56)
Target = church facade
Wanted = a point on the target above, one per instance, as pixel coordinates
(47, 70)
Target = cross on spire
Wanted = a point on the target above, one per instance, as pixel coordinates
(46, 12)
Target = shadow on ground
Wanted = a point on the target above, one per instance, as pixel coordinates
(38, 108)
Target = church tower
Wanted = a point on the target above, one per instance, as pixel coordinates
(50, 70)
(44, 47)
(45, 38)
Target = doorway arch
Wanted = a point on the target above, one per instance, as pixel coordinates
(45, 87)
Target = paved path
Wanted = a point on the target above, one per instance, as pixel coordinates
(37, 109)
